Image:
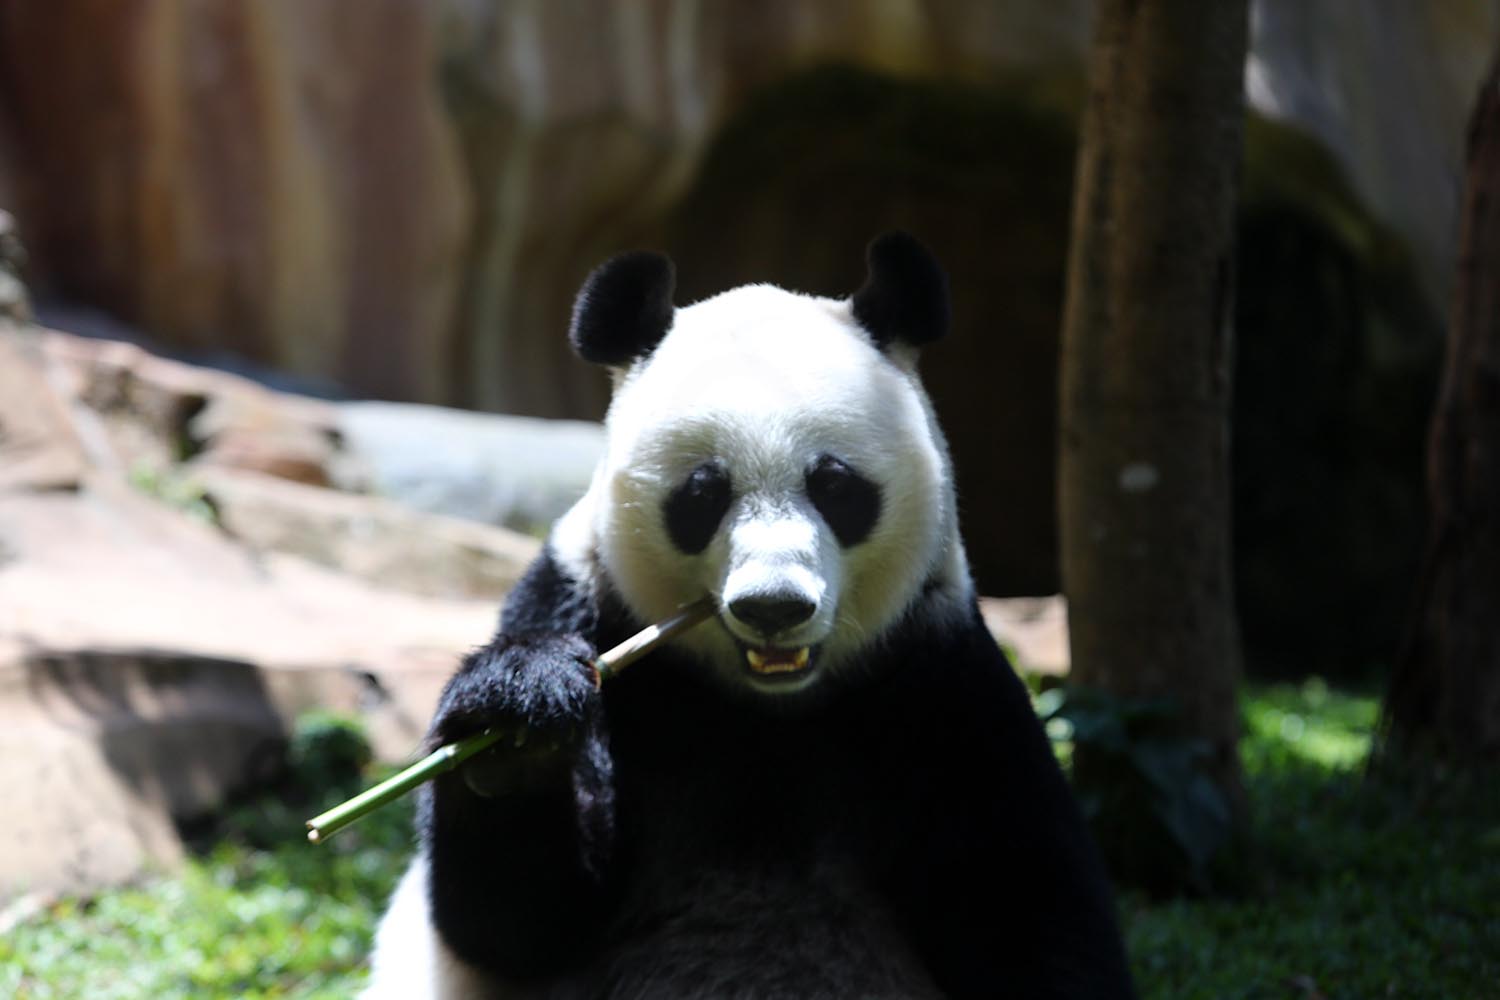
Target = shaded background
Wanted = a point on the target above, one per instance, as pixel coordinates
(398, 200)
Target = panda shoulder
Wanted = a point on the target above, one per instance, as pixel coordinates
(557, 591)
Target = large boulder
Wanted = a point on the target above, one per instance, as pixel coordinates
(107, 568)
(102, 748)
(374, 539)
(156, 663)
(138, 413)
(39, 448)
(522, 472)
(149, 669)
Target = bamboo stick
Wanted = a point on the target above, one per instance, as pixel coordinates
(449, 756)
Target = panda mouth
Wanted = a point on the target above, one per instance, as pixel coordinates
(769, 661)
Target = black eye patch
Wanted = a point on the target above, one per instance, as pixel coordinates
(849, 502)
(695, 508)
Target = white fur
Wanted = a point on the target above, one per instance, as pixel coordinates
(410, 961)
(765, 381)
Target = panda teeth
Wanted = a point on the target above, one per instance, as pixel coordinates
(777, 663)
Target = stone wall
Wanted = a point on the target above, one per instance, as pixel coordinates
(403, 196)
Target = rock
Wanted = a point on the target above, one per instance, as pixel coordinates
(520, 472)
(1033, 629)
(277, 434)
(146, 412)
(39, 449)
(108, 568)
(74, 825)
(1336, 71)
(477, 172)
(130, 406)
(374, 539)
(151, 660)
(292, 452)
(476, 157)
(15, 302)
(102, 749)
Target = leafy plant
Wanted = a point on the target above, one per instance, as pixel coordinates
(328, 750)
(255, 913)
(1161, 820)
(176, 490)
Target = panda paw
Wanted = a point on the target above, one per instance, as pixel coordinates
(541, 693)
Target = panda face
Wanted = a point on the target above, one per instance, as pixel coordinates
(769, 453)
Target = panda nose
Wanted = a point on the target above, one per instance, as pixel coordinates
(771, 613)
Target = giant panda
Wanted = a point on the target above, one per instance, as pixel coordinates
(834, 788)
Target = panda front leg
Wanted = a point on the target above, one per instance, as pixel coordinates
(517, 840)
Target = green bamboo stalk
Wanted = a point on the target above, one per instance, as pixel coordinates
(449, 756)
(444, 758)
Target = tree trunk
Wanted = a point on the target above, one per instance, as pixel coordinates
(1143, 477)
(1444, 696)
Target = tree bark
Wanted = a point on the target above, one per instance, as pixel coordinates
(1145, 370)
(1444, 696)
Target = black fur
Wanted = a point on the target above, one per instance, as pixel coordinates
(516, 873)
(905, 294)
(547, 600)
(624, 309)
(695, 508)
(925, 779)
(847, 501)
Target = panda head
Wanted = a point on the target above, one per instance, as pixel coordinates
(777, 451)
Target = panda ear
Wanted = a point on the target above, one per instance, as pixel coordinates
(624, 308)
(905, 294)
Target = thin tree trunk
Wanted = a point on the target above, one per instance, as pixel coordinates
(1143, 477)
(1444, 696)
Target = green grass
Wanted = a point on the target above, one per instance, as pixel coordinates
(1365, 890)
(290, 921)
(259, 913)
(1307, 726)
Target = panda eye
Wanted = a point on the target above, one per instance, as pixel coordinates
(849, 502)
(696, 507)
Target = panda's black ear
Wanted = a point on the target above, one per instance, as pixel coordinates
(905, 294)
(624, 308)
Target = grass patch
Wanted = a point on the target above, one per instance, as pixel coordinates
(1366, 889)
(1297, 727)
(256, 913)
